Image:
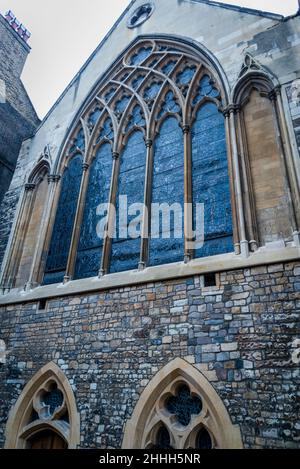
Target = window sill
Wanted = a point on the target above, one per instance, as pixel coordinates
(221, 263)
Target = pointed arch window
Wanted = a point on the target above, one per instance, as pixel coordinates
(180, 409)
(143, 109)
(45, 415)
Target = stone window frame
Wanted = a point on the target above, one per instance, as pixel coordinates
(204, 67)
(244, 221)
(139, 22)
(257, 78)
(19, 429)
(12, 261)
(148, 414)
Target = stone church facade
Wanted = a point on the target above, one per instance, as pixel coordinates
(149, 341)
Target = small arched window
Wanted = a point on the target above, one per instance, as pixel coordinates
(180, 409)
(45, 415)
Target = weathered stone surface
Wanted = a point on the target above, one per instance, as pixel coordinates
(110, 352)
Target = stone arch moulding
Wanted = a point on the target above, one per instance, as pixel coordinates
(19, 428)
(124, 84)
(266, 84)
(196, 48)
(141, 424)
(33, 197)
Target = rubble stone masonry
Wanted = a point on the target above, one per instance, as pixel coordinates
(240, 335)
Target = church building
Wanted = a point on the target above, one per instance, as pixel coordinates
(150, 261)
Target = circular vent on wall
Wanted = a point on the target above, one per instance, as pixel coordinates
(140, 15)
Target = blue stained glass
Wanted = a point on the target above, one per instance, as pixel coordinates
(91, 242)
(79, 142)
(124, 76)
(169, 67)
(205, 88)
(122, 104)
(94, 117)
(169, 105)
(211, 180)
(141, 55)
(152, 91)
(152, 63)
(109, 94)
(126, 250)
(64, 221)
(185, 77)
(168, 188)
(106, 131)
(137, 81)
(136, 118)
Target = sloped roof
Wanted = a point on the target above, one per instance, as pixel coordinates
(228, 6)
(211, 3)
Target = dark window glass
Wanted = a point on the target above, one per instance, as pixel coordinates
(203, 440)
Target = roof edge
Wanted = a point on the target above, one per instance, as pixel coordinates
(213, 3)
(86, 63)
(250, 11)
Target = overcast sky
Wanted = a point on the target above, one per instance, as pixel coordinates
(65, 32)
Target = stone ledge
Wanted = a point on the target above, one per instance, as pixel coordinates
(221, 263)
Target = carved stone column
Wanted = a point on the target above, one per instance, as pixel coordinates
(236, 238)
(39, 258)
(230, 115)
(188, 195)
(144, 256)
(248, 195)
(289, 166)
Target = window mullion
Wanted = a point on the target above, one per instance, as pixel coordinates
(146, 228)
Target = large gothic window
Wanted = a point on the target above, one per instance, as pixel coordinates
(151, 141)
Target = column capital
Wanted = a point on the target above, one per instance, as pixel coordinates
(54, 178)
(149, 142)
(29, 187)
(116, 155)
(85, 166)
(231, 109)
(186, 129)
(276, 91)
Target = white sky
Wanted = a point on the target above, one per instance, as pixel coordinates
(65, 33)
